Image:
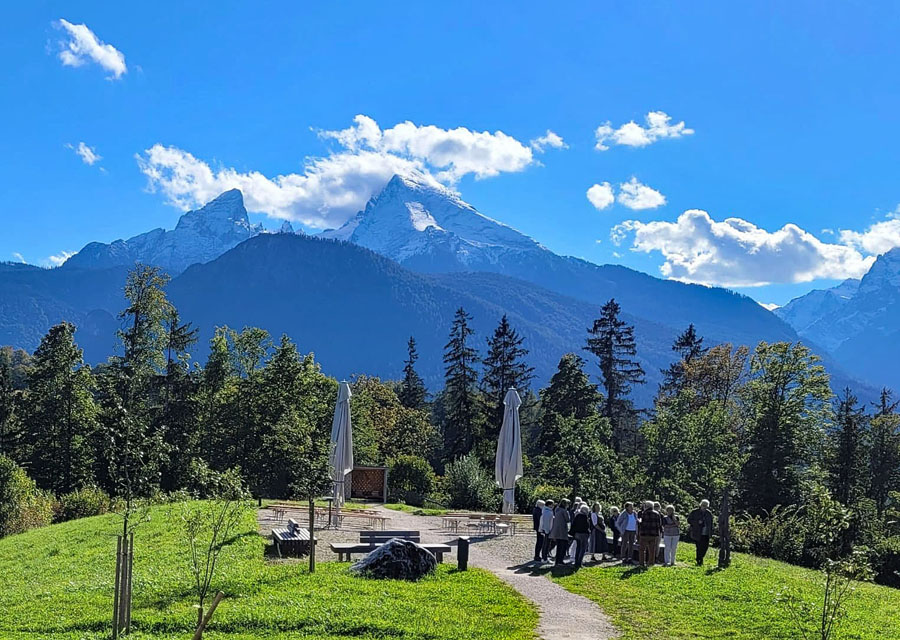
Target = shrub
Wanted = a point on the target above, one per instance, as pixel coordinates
(527, 494)
(885, 558)
(469, 486)
(22, 505)
(83, 503)
(410, 479)
(807, 535)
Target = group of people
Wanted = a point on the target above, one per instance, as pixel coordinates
(615, 533)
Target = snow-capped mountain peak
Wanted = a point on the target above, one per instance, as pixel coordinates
(415, 219)
(200, 235)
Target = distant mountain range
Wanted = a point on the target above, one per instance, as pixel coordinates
(858, 321)
(353, 295)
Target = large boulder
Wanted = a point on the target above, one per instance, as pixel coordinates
(397, 559)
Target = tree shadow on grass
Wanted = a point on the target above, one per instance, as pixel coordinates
(633, 571)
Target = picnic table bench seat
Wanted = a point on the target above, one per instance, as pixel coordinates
(371, 540)
(292, 540)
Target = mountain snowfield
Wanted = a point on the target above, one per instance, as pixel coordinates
(199, 236)
(354, 294)
(858, 321)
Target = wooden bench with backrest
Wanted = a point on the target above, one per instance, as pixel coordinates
(371, 540)
(292, 540)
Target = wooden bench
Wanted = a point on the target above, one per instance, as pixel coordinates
(371, 540)
(292, 540)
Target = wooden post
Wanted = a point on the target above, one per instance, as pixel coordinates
(209, 614)
(312, 535)
(128, 585)
(115, 630)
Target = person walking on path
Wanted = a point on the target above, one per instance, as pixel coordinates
(546, 527)
(536, 515)
(671, 534)
(649, 530)
(627, 524)
(581, 531)
(559, 532)
(614, 529)
(701, 523)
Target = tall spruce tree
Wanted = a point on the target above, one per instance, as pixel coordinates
(884, 454)
(412, 389)
(10, 431)
(178, 417)
(504, 366)
(570, 394)
(60, 413)
(611, 340)
(460, 397)
(688, 346)
(848, 450)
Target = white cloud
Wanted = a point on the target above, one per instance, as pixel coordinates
(877, 238)
(87, 153)
(737, 253)
(19, 257)
(601, 196)
(548, 140)
(332, 188)
(631, 134)
(58, 259)
(454, 153)
(83, 46)
(637, 196)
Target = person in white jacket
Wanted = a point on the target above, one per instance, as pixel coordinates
(546, 525)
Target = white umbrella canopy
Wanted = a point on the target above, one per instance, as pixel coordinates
(341, 443)
(508, 466)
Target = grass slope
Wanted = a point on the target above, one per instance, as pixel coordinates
(57, 583)
(694, 602)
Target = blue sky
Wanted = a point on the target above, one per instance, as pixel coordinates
(792, 108)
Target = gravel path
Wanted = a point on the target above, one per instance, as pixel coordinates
(563, 615)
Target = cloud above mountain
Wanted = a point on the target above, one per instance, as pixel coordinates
(657, 125)
(632, 194)
(82, 46)
(737, 253)
(332, 188)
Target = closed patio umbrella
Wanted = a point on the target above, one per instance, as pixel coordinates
(341, 444)
(508, 466)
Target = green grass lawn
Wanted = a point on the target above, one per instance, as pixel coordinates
(692, 602)
(57, 582)
(419, 511)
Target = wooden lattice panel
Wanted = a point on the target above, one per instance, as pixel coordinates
(368, 483)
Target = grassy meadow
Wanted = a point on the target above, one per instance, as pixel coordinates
(58, 583)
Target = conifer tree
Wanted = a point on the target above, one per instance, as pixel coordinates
(848, 454)
(611, 340)
(460, 397)
(10, 432)
(504, 366)
(412, 390)
(884, 454)
(60, 414)
(570, 394)
(178, 418)
(689, 346)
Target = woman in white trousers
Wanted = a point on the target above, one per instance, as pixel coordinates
(671, 534)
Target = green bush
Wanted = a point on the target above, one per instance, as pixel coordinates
(807, 534)
(22, 505)
(469, 486)
(885, 559)
(83, 503)
(410, 480)
(527, 494)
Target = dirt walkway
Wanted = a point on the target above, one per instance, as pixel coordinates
(563, 615)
